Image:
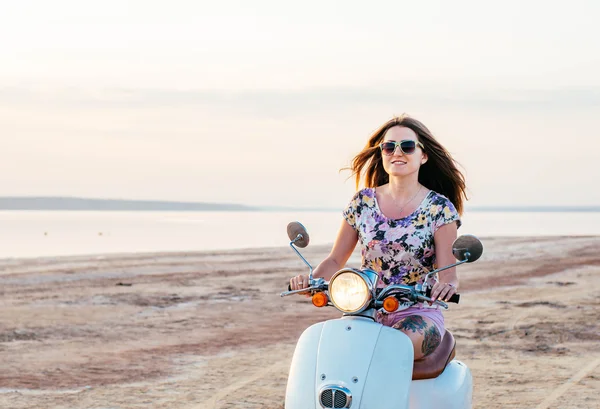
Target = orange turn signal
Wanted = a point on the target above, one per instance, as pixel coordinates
(391, 304)
(320, 300)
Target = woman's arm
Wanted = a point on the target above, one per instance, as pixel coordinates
(448, 279)
(342, 249)
(340, 253)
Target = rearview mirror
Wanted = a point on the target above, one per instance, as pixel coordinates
(467, 247)
(298, 234)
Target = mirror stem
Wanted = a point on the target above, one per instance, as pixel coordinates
(443, 268)
(310, 277)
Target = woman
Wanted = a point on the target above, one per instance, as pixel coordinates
(406, 220)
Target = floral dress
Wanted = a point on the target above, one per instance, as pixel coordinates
(401, 251)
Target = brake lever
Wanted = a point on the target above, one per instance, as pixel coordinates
(318, 284)
(429, 300)
(299, 291)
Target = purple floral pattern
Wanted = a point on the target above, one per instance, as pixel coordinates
(401, 251)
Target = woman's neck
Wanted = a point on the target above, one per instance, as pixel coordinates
(403, 188)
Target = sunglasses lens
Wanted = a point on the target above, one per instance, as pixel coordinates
(408, 147)
(388, 148)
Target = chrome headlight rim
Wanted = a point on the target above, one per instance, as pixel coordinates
(368, 284)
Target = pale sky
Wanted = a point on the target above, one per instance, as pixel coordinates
(262, 102)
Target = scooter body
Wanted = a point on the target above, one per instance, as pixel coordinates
(354, 362)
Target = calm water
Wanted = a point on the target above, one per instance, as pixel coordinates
(49, 233)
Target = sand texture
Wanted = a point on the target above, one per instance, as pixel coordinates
(209, 330)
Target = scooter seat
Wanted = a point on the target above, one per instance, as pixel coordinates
(433, 365)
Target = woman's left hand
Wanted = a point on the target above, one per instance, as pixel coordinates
(443, 291)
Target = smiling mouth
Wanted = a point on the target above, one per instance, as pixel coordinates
(398, 162)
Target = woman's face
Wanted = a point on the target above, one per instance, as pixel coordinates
(399, 163)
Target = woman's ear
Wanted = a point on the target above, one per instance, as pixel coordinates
(424, 159)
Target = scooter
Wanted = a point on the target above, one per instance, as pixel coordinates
(355, 362)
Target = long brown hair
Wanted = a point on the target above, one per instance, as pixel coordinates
(440, 173)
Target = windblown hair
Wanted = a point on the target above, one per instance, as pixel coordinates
(440, 173)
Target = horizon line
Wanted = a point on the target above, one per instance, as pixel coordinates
(107, 204)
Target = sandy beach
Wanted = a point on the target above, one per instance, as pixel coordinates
(209, 330)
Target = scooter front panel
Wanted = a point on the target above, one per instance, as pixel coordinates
(354, 354)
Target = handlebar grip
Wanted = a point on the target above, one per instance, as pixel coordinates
(455, 298)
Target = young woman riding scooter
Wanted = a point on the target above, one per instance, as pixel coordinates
(406, 219)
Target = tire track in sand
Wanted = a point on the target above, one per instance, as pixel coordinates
(213, 403)
(570, 382)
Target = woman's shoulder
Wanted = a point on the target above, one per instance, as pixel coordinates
(442, 210)
(364, 197)
(368, 192)
(438, 199)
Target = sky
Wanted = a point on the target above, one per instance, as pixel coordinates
(263, 102)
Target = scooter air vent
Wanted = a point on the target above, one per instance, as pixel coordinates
(335, 397)
(327, 398)
(339, 399)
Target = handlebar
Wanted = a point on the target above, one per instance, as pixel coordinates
(321, 285)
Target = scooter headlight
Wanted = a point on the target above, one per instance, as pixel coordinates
(349, 292)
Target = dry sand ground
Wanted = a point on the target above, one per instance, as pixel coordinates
(209, 330)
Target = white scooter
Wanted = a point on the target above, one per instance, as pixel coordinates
(355, 362)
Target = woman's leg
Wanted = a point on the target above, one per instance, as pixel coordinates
(423, 333)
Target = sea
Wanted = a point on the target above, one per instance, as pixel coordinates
(30, 234)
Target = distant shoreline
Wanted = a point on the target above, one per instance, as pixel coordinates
(84, 204)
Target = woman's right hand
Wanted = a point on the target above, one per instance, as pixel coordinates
(299, 282)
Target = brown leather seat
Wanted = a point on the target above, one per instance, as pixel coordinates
(433, 365)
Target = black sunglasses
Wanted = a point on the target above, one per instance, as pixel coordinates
(407, 146)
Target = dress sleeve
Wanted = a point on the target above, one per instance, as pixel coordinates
(444, 212)
(352, 211)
